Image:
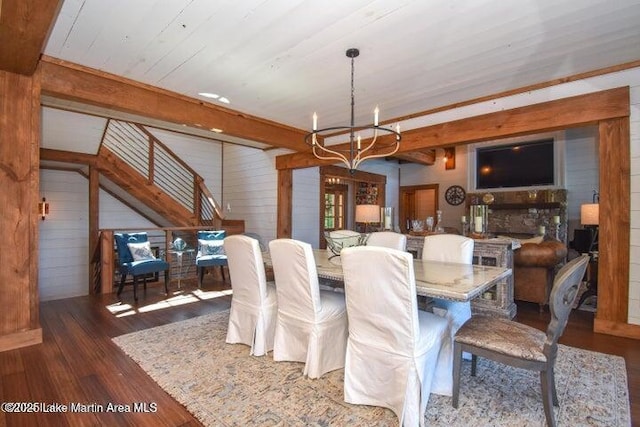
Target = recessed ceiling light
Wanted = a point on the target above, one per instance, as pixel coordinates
(209, 95)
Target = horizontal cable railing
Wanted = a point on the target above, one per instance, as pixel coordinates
(209, 207)
(137, 147)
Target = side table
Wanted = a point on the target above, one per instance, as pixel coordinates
(179, 256)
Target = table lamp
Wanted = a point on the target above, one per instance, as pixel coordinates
(367, 214)
(590, 218)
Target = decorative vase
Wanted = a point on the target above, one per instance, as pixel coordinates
(179, 244)
(439, 226)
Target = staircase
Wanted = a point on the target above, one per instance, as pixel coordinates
(148, 170)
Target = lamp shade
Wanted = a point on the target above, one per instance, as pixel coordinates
(589, 214)
(367, 213)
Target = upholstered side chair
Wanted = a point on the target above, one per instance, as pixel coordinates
(311, 325)
(393, 349)
(252, 317)
(388, 239)
(210, 252)
(519, 345)
(135, 258)
(449, 248)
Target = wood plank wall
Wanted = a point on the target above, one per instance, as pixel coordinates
(19, 180)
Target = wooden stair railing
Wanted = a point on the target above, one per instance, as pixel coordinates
(162, 169)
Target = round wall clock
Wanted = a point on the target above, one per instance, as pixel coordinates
(455, 195)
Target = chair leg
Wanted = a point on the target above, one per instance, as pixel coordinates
(554, 393)
(200, 276)
(121, 285)
(547, 399)
(457, 361)
(135, 288)
(166, 282)
(222, 272)
(474, 362)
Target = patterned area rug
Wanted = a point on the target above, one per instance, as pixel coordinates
(221, 385)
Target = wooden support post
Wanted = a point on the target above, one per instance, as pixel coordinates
(107, 262)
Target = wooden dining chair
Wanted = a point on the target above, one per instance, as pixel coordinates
(252, 317)
(311, 325)
(512, 343)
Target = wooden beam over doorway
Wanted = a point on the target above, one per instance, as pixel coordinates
(563, 113)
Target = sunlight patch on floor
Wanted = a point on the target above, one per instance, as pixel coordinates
(176, 298)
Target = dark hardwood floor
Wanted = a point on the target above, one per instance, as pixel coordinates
(78, 363)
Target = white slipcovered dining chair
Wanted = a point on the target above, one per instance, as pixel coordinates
(311, 324)
(393, 349)
(449, 248)
(522, 346)
(252, 317)
(388, 239)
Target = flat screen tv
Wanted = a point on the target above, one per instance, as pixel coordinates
(519, 165)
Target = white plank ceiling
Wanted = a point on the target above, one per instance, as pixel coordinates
(284, 59)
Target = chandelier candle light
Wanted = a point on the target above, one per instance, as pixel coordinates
(355, 153)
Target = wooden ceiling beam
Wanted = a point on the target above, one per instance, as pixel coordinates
(24, 27)
(423, 157)
(559, 114)
(65, 80)
(68, 157)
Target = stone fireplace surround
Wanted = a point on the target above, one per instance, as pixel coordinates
(521, 213)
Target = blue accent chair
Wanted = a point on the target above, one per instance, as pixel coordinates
(210, 252)
(141, 266)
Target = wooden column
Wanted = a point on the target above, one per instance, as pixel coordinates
(614, 224)
(107, 262)
(94, 223)
(285, 205)
(19, 180)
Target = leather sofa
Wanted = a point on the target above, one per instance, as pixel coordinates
(534, 270)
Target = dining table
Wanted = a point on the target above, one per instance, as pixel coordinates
(434, 279)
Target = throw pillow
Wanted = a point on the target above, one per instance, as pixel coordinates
(141, 251)
(210, 247)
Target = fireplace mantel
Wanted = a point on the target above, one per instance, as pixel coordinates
(525, 211)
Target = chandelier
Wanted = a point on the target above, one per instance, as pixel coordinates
(355, 153)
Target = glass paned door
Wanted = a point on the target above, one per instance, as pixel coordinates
(334, 209)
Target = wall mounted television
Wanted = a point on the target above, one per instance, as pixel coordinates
(527, 164)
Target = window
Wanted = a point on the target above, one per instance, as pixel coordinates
(334, 208)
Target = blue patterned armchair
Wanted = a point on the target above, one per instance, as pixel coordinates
(136, 258)
(210, 252)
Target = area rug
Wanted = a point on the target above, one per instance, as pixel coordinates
(221, 385)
